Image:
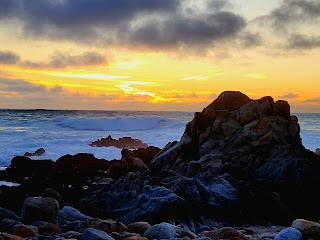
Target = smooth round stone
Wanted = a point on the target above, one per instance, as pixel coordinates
(160, 231)
(289, 233)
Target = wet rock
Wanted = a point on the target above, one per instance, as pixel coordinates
(160, 231)
(94, 234)
(124, 235)
(7, 236)
(224, 233)
(70, 214)
(24, 231)
(138, 227)
(7, 225)
(289, 233)
(49, 229)
(309, 229)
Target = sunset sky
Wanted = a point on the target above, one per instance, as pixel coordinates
(157, 54)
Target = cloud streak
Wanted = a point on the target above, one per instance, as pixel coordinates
(56, 61)
(62, 60)
(313, 100)
(289, 96)
(20, 86)
(179, 30)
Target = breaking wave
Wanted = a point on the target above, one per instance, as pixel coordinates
(110, 124)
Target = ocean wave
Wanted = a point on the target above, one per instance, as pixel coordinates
(110, 124)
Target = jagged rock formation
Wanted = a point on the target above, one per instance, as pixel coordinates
(125, 142)
(239, 160)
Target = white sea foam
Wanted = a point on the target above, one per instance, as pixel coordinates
(109, 124)
(71, 132)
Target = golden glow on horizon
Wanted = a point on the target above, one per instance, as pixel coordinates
(162, 79)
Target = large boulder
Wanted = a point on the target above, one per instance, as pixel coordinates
(258, 143)
(160, 231)
(39, 209)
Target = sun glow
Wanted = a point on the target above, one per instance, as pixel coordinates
(127, 87)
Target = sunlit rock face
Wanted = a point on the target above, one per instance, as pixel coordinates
(237, 130)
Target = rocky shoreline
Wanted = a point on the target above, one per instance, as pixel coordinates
(239, 171)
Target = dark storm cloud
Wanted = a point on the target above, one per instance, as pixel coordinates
(181, 30)
(20, 86)
(79, 17)
(218, 4)
(62, 60)
(8, 57)
(289, 96)
(292, 12)
(302, 41)
(126, 21)
(66, 13)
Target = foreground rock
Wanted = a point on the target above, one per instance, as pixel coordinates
(76, 225)
(39, 209)
(125, 142)
(239, 160)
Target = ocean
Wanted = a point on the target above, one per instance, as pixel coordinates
(62, 132)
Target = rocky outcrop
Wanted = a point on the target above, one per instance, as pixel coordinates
(38, 152)
(239, 160)
(125, 142)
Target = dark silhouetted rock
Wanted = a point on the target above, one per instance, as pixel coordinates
(38, 152)
(145, 154)
(125, 142)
